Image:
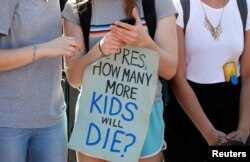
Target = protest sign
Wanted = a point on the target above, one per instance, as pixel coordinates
(115, 103)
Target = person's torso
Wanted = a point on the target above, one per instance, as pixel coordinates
(100, 23)
(31, 96)
(206, 56)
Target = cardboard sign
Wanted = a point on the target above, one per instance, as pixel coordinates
(114, 106)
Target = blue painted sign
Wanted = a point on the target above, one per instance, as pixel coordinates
(114, 106)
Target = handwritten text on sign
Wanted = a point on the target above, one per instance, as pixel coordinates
(115, 105)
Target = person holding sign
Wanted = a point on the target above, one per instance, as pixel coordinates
(122, 53)
(33, 125)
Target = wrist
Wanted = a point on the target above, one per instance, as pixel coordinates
(34, 52)
(41, 51)
(208, 132)
(101, 51)
(95, 53)
(148, 43)
(243, 132)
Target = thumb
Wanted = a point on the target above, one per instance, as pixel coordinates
(136, 16)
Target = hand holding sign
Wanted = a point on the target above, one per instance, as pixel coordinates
(110, 44)
(116, 100)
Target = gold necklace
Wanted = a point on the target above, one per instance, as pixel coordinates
(215, 31)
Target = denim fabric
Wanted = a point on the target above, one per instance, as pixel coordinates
(34, 145)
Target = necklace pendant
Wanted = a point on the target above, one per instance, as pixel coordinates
(215, 31)
(216, 36)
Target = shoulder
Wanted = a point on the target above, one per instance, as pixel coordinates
(70, 12)
(178, 5)
(168, 4)
(164, 8)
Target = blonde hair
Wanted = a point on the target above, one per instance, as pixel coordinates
(128, 5)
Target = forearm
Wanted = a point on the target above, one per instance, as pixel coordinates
(168, 60)
(11, 59)
(14, 58)
(190, 104)
(166, 44)
(244, 120)
(77, 67)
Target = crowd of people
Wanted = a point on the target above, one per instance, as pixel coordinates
(204, 58)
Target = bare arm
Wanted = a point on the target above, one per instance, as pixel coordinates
(14, 58)
(187, 98)
(74, 74)
(245, 89)
(165, 41)
(78, 63)
(244, 121)
(166, 45)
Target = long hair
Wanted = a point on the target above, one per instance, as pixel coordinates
(128, 5)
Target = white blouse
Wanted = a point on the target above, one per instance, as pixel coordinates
(205, 56)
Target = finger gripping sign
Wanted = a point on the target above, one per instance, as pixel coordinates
(114, 106)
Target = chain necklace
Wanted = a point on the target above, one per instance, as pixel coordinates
(215, 31)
